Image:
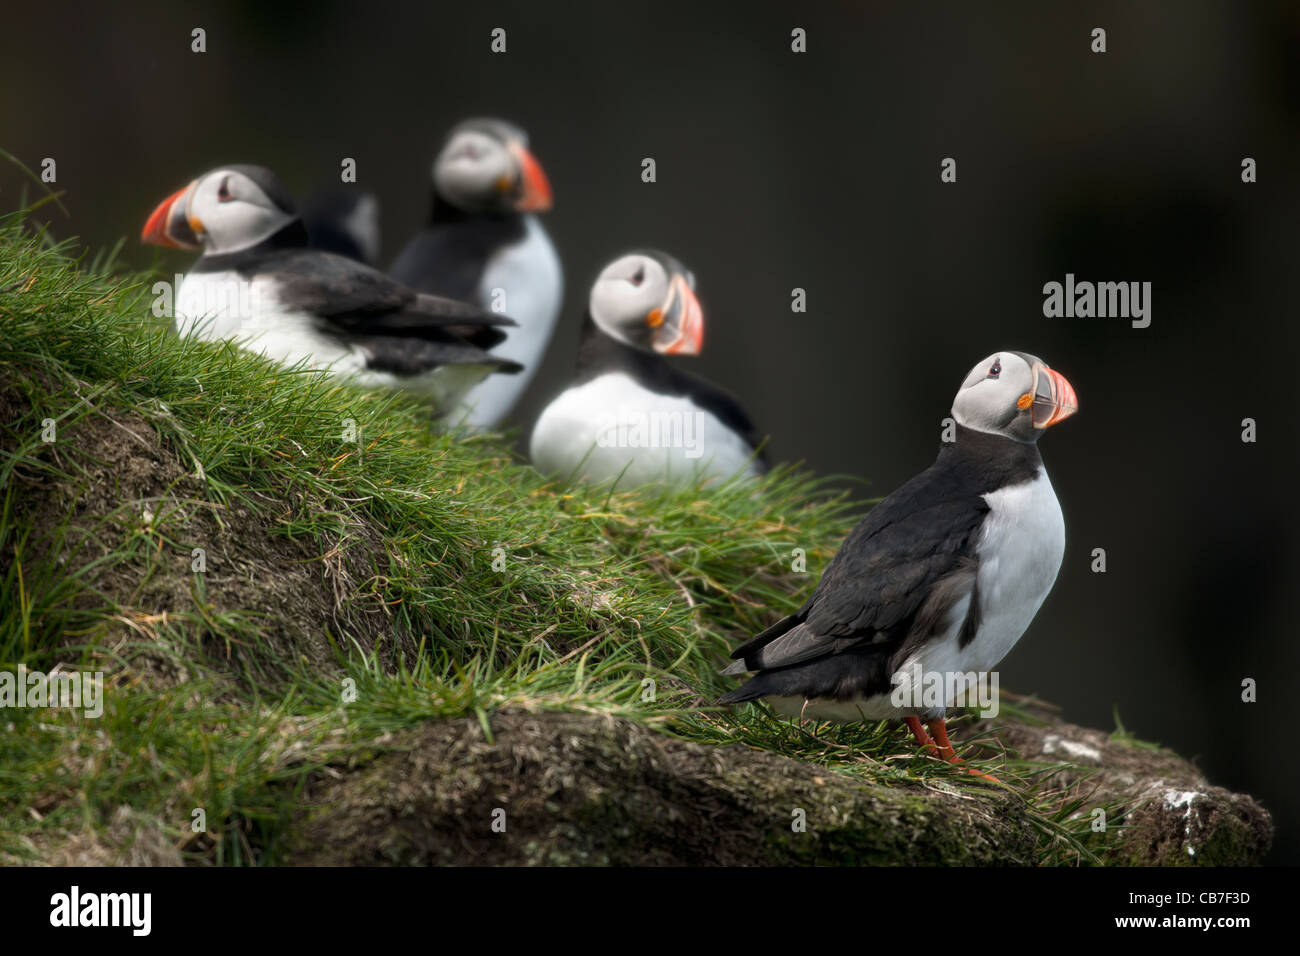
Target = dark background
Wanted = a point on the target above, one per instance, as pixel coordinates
(821, 170)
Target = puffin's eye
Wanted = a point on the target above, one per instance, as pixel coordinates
(638, 277)
(996, 370)
(223, 191)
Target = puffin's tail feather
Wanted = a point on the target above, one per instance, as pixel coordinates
(759, 641)
(750, 690)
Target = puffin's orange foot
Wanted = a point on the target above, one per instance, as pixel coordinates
(922, 738)
(940, 730)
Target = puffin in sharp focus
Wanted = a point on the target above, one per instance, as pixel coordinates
(630, 416)
(485, 244)
(941, 578)
(257, 282)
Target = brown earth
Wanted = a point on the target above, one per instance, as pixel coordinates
(579, 789)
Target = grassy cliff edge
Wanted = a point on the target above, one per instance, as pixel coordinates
(329, 634)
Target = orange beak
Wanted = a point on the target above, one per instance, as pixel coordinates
(534, 187)
(682, 328)
(1054, 398)
(169, 226)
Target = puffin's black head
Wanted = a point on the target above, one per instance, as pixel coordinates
(485, 167)
(225, 210)
(1013, 394)
(647, 300)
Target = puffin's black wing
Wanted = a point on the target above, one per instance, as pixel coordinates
(404, 357)
(892, 582)
(449, 258)
(359, 300)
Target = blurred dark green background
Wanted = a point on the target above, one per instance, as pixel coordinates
(821, 171)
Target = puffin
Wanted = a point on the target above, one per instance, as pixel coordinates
(942, 577)
(484, 243)
(258, 282)
(629, 416)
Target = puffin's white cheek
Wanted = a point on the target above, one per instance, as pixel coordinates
(474, 179)
(459, 180)
(606, 302)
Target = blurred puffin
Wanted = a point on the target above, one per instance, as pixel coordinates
(258, 283)
(942, 577)
(485, 244)
(630, 416)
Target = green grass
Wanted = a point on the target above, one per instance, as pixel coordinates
(601, 592)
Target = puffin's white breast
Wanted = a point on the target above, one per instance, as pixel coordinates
(612, 426)
(528, 273)
(1020, 550)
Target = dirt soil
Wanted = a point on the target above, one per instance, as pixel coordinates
(135, 508)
